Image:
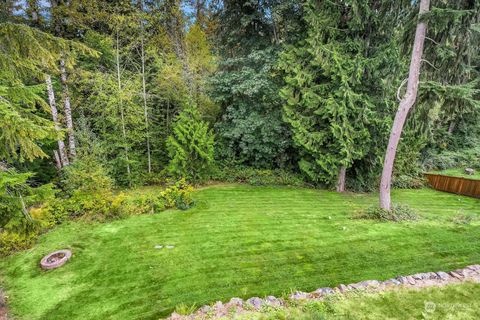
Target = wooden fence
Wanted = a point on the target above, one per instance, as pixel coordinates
(458, 185)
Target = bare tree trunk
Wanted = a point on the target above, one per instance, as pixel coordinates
(405, 105)
(68, 111)
(24, 208)
(341, 179)
(145, 107)
(451, 127)
(58, 163)
(53, 107)
(122, 116)
(168, 116)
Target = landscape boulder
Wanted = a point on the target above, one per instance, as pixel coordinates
(299, 295)
(324, 291)
(273, 301)
(469, 171)
(235, 302)
(255, 302)
(443, 275)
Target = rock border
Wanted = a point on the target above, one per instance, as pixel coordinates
(238, 306)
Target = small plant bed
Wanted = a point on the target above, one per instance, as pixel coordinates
(237, 241)
(459, 172)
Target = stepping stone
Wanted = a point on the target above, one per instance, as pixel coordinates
(158, 246)
(169, 247)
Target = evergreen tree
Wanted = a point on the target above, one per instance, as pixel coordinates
(26, 55)
(449, 104)
(338, 84)
(191, 147)
(16, 197)
(248, 37)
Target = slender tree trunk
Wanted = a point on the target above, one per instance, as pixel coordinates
(145, 107)
(341, 179)
(58, 162)
(24, 208)
(451, 127)
(68, 111)
(405, 105)
(122, 116)
(53, 106)
(168, 116)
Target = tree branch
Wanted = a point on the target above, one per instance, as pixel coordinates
(400, 88)
(431, 64)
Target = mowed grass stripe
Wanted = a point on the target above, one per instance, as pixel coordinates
(238, 241)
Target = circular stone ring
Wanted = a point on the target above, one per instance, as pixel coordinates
(55, 259)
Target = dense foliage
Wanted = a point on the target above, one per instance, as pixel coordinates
(101, 95)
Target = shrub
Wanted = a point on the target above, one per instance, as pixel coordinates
(185, 309)
(13, 241)
(178, 195)
(16, 197)
(453, 159)
(85, 175)
(140, 204)
(87, 193)
(464, 219)
(191, 147)
(397, 213)
(258, 176)
(408, 182)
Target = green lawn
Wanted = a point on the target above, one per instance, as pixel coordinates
(458, 172)
(459, 301)
(238, 241)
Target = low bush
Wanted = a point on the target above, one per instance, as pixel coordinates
(408, 182)
(397, 213)
(86, 193)
(140, 203)
(178, 195)
(453, 159)
(13, 241)
(259, 177)
(464, 219)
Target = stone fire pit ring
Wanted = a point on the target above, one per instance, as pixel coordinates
(55, 259)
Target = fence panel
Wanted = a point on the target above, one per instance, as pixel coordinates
(458, 185)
